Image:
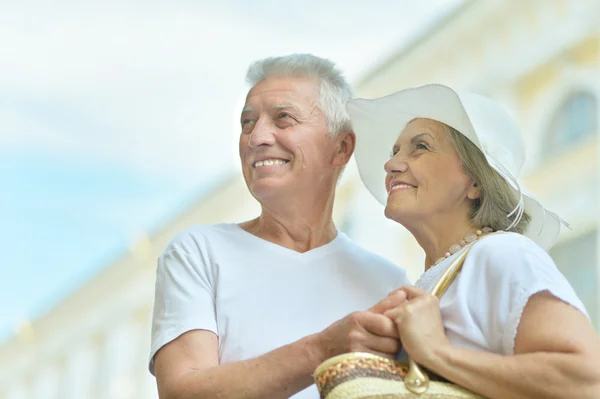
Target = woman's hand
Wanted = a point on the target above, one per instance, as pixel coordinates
(419, 322)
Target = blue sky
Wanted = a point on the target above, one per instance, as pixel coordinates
(115, 114)
(64, 219)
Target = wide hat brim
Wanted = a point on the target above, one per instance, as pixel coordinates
(377, 124)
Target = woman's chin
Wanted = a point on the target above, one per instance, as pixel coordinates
(395, 212)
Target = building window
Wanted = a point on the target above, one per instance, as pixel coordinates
(17, 391)
(574, 121)
(578, 261)
(46, 383)
(80, 372)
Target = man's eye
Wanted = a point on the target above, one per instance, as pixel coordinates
(246, 121)
(392, 153)
(284, 115)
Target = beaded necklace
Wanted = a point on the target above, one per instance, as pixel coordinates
(469, 238)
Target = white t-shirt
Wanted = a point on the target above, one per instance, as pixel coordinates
(258, 296)
(482, 308)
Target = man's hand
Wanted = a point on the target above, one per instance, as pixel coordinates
(364, 331)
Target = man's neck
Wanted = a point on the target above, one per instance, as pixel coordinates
(295, 225)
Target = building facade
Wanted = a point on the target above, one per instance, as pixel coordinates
(539, 58)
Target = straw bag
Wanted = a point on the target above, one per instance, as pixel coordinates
(365, 376)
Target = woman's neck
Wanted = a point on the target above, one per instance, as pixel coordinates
(437, 236)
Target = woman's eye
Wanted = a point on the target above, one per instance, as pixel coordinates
(421, 146)
(392, 153)
(246, 121)
(284, 115)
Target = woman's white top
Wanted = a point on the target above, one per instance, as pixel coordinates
(482, 308)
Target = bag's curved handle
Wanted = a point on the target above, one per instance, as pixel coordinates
(416, 380)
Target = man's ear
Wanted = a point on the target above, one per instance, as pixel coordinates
(474, 192)
(345, 143)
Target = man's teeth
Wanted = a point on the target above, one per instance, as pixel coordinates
(269, 162)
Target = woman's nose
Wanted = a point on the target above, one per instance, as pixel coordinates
(396, 164)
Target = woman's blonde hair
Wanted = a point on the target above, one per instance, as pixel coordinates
(497, 199)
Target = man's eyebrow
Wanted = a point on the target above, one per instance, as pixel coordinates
(248, 108)
(286, 106)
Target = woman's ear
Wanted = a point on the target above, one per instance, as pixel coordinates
(474, 192)
(346, 141)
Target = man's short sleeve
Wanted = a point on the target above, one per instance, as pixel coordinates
(184, 298)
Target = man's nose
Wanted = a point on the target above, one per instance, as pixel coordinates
(262, 134)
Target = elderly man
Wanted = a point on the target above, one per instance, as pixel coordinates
(249, 310)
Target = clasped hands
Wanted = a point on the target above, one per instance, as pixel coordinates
(408, 315)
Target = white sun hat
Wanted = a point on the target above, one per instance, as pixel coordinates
(378, 123)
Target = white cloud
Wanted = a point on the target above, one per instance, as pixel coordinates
(154, 85)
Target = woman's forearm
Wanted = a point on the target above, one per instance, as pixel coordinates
(533, 375)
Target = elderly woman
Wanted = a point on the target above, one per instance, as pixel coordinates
(510, 325)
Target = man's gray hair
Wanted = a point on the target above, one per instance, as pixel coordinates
(334, 91)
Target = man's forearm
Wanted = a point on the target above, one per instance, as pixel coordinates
(532, 375)
(277, 374)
